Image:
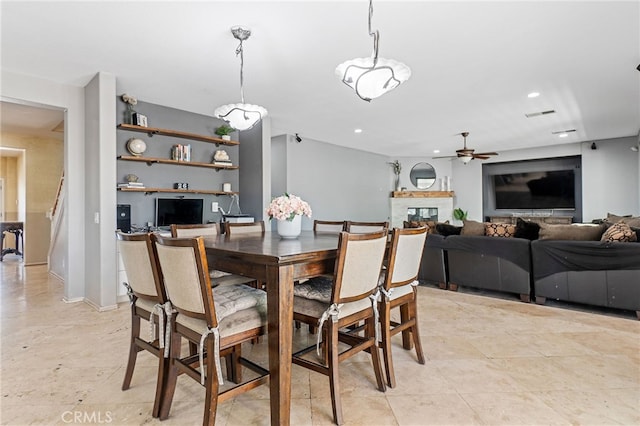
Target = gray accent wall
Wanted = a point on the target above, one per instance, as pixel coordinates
(165, 175)
(339, 183)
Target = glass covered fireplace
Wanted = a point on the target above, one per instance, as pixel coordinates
(422, 213)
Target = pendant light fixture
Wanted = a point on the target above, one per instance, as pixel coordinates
(240, 116)
(373, 77)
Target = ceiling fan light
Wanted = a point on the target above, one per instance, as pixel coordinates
(465, 159)
(240, 116)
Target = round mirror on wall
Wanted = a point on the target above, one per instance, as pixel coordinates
(423, 175)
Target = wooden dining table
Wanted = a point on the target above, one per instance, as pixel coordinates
(278, 263)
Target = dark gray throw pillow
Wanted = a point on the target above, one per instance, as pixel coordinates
(446, 229)
(528, 230)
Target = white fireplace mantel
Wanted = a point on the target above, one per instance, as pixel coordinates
(403, 200)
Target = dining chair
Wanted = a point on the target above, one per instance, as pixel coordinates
(365, 227)
(148, 300)
(330, 226)
(208, 230)
(334, 305)
(234, 229)
(398, 288)
(217, 319)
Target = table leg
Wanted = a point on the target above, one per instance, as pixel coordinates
(280, 316)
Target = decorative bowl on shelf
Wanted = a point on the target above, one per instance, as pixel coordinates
(136, 146)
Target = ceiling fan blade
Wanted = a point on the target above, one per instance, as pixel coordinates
(481, 157)
(486, 153)
(466, 152)
(446, 156)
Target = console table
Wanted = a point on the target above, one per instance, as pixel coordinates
(16, 229)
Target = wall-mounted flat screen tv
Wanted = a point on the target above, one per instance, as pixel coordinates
(181, 211)
(535, 190)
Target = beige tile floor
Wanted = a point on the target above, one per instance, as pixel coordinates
(491, 360)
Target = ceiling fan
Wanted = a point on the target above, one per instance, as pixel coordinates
(467, 154)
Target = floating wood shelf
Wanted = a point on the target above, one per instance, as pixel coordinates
(422, 194)
(174, 191)
(176, 134)
(152, 160)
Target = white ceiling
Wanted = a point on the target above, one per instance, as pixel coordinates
(473, 64)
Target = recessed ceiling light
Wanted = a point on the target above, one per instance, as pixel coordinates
(357, 131)
(563, 135)
(436, 151)
(533, 95)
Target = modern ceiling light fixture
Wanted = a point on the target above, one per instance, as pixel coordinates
(241, 116)
(372, 77)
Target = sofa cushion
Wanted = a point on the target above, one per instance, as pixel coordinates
(504, 230)
(527, 230)
(619, 232)
(571, 232)
(632, 221)
(471, 227)
(445, 229)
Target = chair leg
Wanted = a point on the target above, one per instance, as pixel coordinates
(193, 348)
(211, 384)
(405, 316)
(163, 368)
(133, 349)
(171, 376)
(370, 326)
(415, 332)
(331, 340)
(385, 325)
(232, 361)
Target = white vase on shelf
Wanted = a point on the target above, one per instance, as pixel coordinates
(290, 228)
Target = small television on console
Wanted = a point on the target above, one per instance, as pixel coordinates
(535, 190)
(181, 211)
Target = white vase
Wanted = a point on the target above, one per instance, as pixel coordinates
(290, 228)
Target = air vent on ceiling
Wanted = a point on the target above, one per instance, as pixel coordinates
(563, 131)
(536, 114)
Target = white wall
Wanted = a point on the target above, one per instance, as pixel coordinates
(35, 91)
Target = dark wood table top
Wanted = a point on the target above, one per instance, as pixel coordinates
(10, 226)
(272, 249)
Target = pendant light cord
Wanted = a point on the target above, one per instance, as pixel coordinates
(375, 34)
(239, 51)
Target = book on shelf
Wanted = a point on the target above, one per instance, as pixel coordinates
(131, 185)
(181, 152)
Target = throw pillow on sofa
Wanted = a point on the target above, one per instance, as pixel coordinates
(471, 227)
(573, 232)
(620, 232)
(445, 229)
(504, 230)
(527, 230)
(430, 224)
(632, 221)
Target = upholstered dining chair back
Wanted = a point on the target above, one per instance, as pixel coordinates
(360, 260)
(332, 226)
(140, 265)
(234, 229)
(405, 255)
(365, 227)
(184, 268)
(199, 230)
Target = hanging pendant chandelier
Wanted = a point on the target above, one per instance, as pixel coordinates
(373, 77)
(241, 116)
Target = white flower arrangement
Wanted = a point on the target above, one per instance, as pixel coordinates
(128, 99)
(287, 207)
